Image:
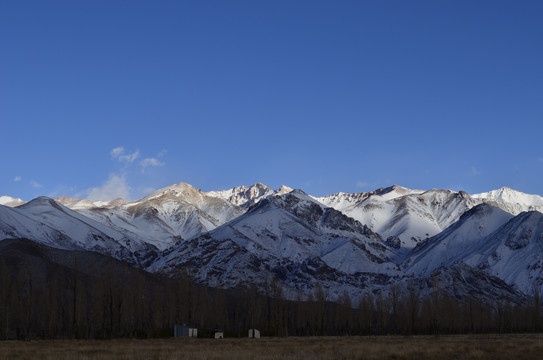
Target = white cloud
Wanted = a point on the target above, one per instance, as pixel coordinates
(120, 154)
(115, 153)
(129, 157)
(35, 184)
(115, 187)
(162, 152)
(17, 178)
(150, 162)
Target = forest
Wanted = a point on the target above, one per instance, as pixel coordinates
(48, 294)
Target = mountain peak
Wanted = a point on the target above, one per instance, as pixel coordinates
(112, 203)
(294, 199)
(11, 201)
(41, 201)
(242, 195)
(512, 196)
(175, 189)
(394, 191)
(75, 204)
(283, 190)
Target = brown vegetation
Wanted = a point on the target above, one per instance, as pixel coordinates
(372, 347)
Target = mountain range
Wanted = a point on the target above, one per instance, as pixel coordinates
(487, 245)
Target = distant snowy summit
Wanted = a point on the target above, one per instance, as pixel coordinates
(246, 196)
(400, 215)
(11, 201)
(516, 201)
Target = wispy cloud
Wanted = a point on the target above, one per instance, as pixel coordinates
(116, 186)
(540, 160)
(35, 184)
(120, 154)
(145, 163)
(17, 178)
(116, 152)
(129, 157)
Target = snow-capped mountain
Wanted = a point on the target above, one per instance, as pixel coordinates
(341, 201)
(79, 204)
(403, 216)
(279, 237)
(361, 242)
(246, 196)
(506, 246)
(11, 201)
(75, 204)
(167, 216)
(511, 200)
(49, 223)
(462, 239)
(514, 252)
(406, 216)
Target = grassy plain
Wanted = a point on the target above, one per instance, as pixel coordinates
(307, 348)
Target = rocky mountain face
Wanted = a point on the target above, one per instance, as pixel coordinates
(483, 245)
(246, 196)
(408, 216)
(487, 238)
(290, 237)
(403, 216)
(168, 215)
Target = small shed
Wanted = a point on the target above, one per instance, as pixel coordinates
(219, 335)
(184, 331)
(254, 334)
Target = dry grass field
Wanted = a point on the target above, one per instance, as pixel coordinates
(307, 348)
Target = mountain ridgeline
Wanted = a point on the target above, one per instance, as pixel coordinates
(341, 248)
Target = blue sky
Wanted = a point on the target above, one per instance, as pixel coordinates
(114, 98)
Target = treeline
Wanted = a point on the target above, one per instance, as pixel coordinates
(92, 296)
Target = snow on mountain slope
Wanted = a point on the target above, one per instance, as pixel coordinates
(11, 201)
(274, 237)
(216, 211)
(512, 201)
(341, 201)
(404, 216)
(14, 224)
(168, 215)
(460, 240)
(110, 203)
(47, 222)
(78, 204)
(246, 196)
(514, 252)
(75, 204)
(510, 248)
(255, 234)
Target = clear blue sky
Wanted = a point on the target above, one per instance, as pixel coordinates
(105, 98)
